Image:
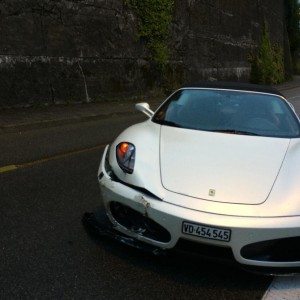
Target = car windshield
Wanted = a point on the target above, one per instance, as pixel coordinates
(227, 111)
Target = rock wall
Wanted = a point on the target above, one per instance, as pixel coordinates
(89, 49)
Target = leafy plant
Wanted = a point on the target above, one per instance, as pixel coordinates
(267, 64)
(155, 17)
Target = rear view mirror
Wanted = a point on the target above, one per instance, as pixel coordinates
(144, 108)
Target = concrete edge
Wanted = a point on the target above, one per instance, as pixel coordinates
(64, 121)
(288, 88)
(58, 122)
(287, 288)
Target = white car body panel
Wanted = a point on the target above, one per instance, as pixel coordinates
(239, 168)
(147, 175)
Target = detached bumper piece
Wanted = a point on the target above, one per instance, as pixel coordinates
(138, 223)
(98, 225)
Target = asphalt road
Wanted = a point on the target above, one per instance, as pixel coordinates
(45, 251)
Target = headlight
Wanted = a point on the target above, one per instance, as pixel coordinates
(126, 157)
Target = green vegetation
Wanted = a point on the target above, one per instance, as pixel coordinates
(155, 17)
(267, 65)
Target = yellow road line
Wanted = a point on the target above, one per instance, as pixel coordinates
(8, 168)
(13, 167)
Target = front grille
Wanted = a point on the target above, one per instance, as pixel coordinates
(280, 250)
(138, 223)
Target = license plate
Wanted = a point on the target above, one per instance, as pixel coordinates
(206, 232)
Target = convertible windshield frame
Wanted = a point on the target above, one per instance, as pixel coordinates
(280, 97)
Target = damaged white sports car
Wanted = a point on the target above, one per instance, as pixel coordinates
(218, 166)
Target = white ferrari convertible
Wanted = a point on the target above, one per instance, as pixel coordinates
(216, 167)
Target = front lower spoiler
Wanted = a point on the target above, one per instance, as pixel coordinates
(99, 225)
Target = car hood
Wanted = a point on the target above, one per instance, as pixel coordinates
(220, 167)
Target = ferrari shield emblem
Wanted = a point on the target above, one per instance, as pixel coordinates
(212, 192)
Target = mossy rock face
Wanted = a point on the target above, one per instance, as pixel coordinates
(155, 18)
(60, 51)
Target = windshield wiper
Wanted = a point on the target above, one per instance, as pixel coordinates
(169, 123)
(234, 131)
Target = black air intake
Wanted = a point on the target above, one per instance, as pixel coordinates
(280, 250)
(138, 223)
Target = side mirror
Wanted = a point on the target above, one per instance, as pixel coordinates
(144, 108)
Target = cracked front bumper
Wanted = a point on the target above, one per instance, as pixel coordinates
(244, 230)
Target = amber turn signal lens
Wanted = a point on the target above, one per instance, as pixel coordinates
(126, 156)
(123, 148)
